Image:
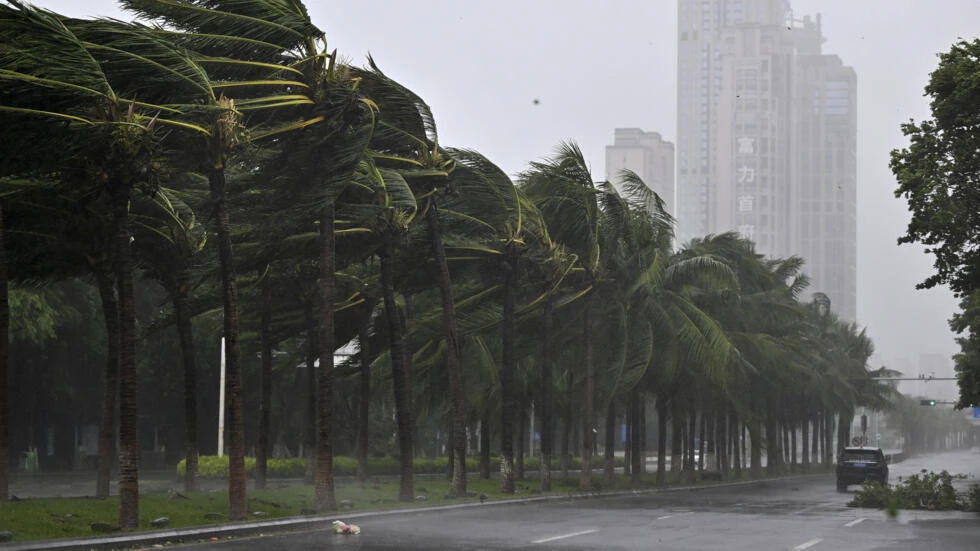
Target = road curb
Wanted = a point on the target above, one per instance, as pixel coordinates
(324, 522)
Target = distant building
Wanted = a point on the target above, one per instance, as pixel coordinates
(766, 138)
(648, 155)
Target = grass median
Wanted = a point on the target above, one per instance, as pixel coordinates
(51, 518)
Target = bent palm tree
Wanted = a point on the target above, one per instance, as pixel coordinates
(321, 125)
(75, 73)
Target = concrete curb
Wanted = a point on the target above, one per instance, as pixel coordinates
(241, 529)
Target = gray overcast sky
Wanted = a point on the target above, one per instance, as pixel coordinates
(597, 65)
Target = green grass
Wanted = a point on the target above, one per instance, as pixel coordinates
(47, 518)
(31, 519)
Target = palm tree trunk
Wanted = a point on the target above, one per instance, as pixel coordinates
(520, 440)
(364, 393)
(743, 429)
(676, 439)
(107, 433)
(588, 421)
(772, 445)
(454, 365)
(265, 383)
(721, 442)
(844, 429)
(755, 433)
(636, 456)
(628, 417)
(399, 372)
(735, 427)
(805, 443)
(692, 428)
(234, 402)
(642, 422)
(547, 400)
(129, 491)
(309, 400)
(4, 372)
(611, 444)
(661, 441)
(186, 334)
(566, 430)
(703, 439)
(507, 368)
(449, 451)
(792, 437)
(485, 444)
(815, 446)
(828, 449)
(784, 445)
(324, 494)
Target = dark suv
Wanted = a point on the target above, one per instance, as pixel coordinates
(855, 465)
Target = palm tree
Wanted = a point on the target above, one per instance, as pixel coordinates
(74, 72)
(500, 234)
(563, 190)
(396, 208)
(168, 238)
(4, 330)
(406, 140)
(322, 125)
(592, 221)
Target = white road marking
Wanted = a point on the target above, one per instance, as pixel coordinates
(807, 545)
(855, 521)
(664, 517)
(572, 535)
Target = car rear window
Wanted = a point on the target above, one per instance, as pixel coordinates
(859, 455)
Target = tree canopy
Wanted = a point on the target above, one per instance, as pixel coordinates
(939, 177)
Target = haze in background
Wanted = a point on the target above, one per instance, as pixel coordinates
(594, 66)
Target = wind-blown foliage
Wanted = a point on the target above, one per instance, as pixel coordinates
(272, 194)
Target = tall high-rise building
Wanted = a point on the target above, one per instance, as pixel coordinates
(648, 155)
(766, 138)
(824, 207)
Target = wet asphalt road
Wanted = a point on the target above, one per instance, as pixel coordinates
(789, 514)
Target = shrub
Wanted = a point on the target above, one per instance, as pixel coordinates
(872, 495)
(345, 466)
(972, 501)
(927, 490)
(212, 466)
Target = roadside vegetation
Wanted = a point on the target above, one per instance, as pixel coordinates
(216, 182)
(217, 467)
(927, 491)
(49, 518)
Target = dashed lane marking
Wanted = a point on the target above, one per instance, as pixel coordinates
(664, 517)
(855, 521)
(564, 536)
(808, 544)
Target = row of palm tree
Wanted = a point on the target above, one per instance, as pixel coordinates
(338, 215)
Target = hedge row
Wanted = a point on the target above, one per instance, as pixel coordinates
(211, 466)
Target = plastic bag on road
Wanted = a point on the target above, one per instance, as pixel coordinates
(340, 527)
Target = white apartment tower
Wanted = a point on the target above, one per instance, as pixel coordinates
(648, 155)
(766, 138)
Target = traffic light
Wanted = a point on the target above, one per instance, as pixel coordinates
(927, 402)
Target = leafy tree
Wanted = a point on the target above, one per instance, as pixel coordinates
(967, 361)
(939, 177)
(939, 172)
